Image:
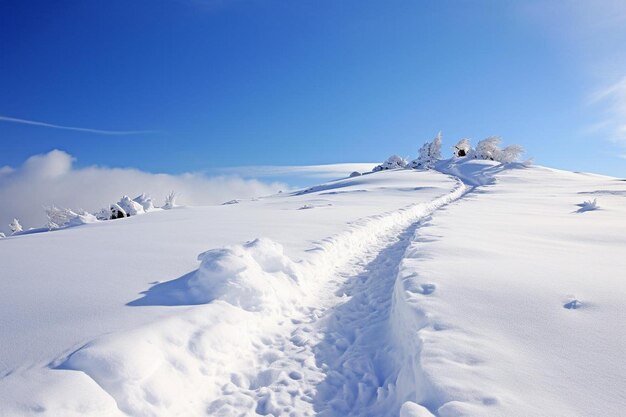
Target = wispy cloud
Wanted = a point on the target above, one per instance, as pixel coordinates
(613, 100)
(577, 18)
(74, 128)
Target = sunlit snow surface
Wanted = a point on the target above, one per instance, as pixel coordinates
(481, 291)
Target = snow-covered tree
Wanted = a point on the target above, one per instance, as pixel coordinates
(170, 201)
(462, 148)
(103, 214)
(489, 149)
(145, 200)
(393, 162)
(15, 226)
(511, 153)
(63, 217)
(131, 207)
(59, 217)
(429, 154)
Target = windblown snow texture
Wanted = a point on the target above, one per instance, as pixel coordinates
(474, 290)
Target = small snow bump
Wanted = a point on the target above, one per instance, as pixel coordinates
(428, 289)
(573, 304)
(411, 409)
(439, 327)
(588, 205)
(295, 375)
(490, 401)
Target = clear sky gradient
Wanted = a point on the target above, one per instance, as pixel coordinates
(191, 85)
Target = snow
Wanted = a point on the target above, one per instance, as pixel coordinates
(393, 162)
(145, 201)
(588, 205)
(495, 338)
(130, 207)
(474, 290)
(256, 276)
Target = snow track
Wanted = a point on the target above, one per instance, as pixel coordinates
(315, 342)
(361, 366)
(336, 357)
(333, 359)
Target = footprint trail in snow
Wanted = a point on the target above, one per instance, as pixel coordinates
(333, 360)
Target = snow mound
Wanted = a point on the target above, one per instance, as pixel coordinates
(256, 276)
(411, 409)
(80, 219)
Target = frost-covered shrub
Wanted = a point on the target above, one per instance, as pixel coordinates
(15, 226)
(126, 207)
(145, 201)
(63, 217)
(588, 205)
(103, 214)
(58, 217)
(117, 212)
(429, 154)
(489, 149)
(511, 153)
(83, 218)
(2, 235)
(462, 148)
(393, 162)
(170, 201)
(131, 207)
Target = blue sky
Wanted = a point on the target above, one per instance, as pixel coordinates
(191, 85)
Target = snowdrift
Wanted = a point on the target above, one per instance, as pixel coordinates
(257, 276)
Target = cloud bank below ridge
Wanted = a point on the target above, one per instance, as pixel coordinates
(52, 178)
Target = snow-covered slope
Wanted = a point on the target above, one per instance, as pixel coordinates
(478, 289)
(512, 302)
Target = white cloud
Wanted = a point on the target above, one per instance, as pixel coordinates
(5, 170)
(613, 100)
(52, 179)
(77, 129)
